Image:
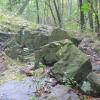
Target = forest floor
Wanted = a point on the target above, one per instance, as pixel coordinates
(9, 68)
(88, 45)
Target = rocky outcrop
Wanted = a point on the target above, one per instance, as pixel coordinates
(42, 36)
(30, 36)
(66, 58)
(34, 40)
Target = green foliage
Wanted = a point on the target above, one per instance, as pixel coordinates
(69, 11)
(42, 65)
(85, 7)
(19, 77)
(9, 25)
(11, 7)
(69, 81)
(33, 98)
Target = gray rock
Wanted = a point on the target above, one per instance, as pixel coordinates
(33, 40)
(43, 36)
(65, 57)
(60, 92)
(4, 38)
(73, 63)
(94, 80)
(47, 53)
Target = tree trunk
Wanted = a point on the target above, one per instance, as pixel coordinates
(82, 20)
(37, 8)
(69, 7)
(90, 15)
(49, 5)
(10, 5)
(22, 8)
(97, 24)
(58, 14)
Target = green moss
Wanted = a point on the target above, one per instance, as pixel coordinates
(73, 62)
(13, 24)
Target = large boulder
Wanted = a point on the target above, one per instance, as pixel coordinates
(65, 57)
(32, 40)
(17, 52)
(47, 53)
(74, 64)
(60, 92)
(94, 80)
(60, 34)
(42, 36)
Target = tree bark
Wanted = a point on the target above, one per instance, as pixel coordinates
(58, 14)
(82, 19)
(90, 15)
(22, 8)
(97, 24)
(49, 5)
(37, 8)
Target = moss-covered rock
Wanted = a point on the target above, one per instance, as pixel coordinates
(72, 62)
(42, 36)
(60, 34)
(33, 40)
(66, 58)
(94, 80)
(48, 54)
(30, 36)
(13, 24)
(4, 39)
(10, 28)
(15, 51)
